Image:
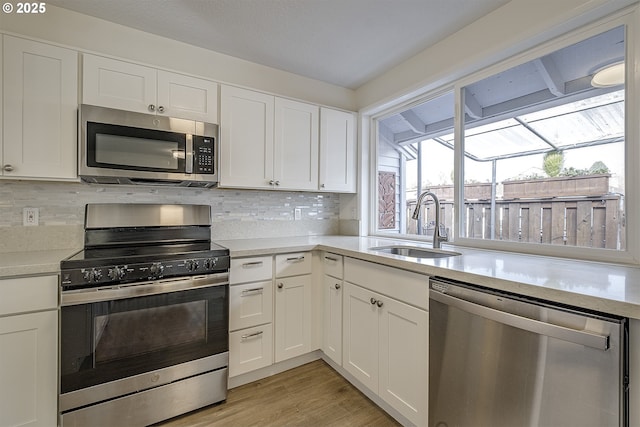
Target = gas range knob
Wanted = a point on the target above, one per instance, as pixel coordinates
(210, 263)
(92, 275)
(157, 269)
(116, 273)
(192, 265)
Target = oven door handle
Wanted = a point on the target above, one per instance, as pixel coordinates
(133, 290)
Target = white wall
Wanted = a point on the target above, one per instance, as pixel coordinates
(90, 34)
(518, 25)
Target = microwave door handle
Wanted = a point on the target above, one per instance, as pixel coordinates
(188, 154)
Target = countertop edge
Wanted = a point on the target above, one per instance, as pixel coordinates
(562, 296)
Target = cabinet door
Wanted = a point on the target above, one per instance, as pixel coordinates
(337, 151)
(29, 369)
(360, 335)
(404, 349)
(40, 108)
(332, 330)
(118, 84)
(246, 138)
(187, 97)
(250, 304)
(296, 145)
(250, 349)
(293, 317)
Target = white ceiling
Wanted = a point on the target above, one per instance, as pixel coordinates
(343, 42)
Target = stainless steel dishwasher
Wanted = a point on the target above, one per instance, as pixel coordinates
(497, 359)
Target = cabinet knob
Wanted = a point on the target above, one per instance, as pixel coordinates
(161, 109)
(373, 301)
(152, 107)
(7, 168)
(379, 303)
(321, 185)
(280, 285)
(277, 182)
(337, 286)
(272, 182)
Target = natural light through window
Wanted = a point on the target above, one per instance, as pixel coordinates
(543, 154)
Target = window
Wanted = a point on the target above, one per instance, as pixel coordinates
(541, 148)
(415, 153)
(551, 146)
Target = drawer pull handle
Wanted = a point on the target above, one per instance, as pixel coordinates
(330, 258)
(296, 259)
(252, 264)
(250, 291)
(253, 335)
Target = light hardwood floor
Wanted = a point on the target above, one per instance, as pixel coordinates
(310, 395)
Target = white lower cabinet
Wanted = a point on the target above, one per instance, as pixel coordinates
(332, 328)
(250, 349)
(270, 310)
(293, 317)
(29, 352)
(332, 285)
(250, 314)
(386, 341)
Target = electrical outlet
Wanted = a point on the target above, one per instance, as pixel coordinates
(297, 214)
(30, 216)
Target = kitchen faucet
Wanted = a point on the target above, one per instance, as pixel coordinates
(437, 236)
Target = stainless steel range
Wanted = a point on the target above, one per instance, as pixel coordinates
(144, 317)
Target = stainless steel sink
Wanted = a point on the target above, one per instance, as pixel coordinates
(414, 251)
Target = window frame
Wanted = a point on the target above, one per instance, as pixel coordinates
(630, 19)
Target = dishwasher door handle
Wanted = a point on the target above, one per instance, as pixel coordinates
(585, 338)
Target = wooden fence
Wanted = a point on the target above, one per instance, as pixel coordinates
(595, 222)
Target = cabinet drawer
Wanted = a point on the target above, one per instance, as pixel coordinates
(250, 349)
(332, 265)
(250, 304)
(293, 264)
(25, 294)
(250, 269)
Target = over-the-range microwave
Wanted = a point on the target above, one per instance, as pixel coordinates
(123, 147)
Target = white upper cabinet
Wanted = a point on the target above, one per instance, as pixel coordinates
(338, 151)
(126, 86)
(117, 84)
(39, 106)
(296, 145)
(187, 97)
(267, 142)
(246, 138)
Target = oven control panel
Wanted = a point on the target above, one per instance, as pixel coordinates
(139, 272)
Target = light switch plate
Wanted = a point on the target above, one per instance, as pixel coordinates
(297, 214)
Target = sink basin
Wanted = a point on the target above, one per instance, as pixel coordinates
(414, 251)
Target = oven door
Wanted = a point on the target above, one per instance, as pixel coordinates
(126, 338)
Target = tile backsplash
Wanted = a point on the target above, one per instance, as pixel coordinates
(235, 213)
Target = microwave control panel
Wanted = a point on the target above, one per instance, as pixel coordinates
(204, 154)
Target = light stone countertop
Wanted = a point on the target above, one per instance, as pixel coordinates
(32, 263)
(607, 288)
